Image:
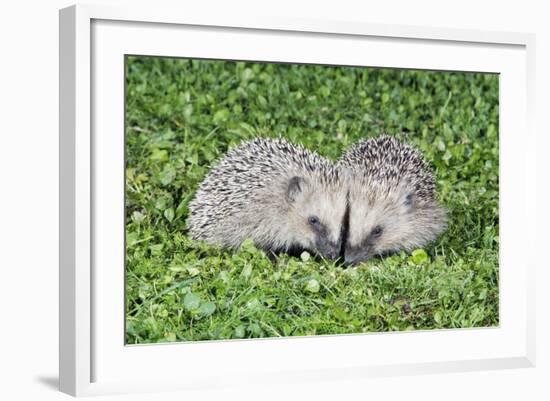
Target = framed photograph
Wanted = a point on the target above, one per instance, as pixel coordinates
(272, 200)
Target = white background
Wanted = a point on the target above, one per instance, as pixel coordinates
(29, 187)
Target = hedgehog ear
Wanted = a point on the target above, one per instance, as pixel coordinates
(410, 200)
(296, 186)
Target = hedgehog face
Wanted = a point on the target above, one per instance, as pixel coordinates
(315, 216)
(383, 221)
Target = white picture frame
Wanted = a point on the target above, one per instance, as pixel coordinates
(93, 357)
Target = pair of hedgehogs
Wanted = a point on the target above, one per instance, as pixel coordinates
(379, 198)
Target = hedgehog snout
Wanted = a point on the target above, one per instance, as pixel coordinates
(354, 256)
(350, 260)
(328, 249)
(333, 252)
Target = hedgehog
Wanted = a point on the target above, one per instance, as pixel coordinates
(391, 198)
(282, 196)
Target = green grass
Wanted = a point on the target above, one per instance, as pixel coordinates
(182, 115)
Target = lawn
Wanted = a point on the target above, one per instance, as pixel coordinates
(183, 115)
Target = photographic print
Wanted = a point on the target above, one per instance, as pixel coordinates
(279, 200)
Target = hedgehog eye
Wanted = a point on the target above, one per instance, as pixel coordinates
(313, 220)
(377, 231)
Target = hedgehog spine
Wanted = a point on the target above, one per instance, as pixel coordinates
(280, 195)
(392, 203)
